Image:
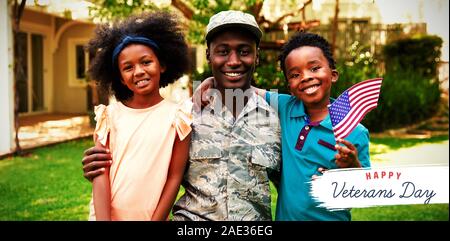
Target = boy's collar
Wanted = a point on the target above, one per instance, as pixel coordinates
(298, 110)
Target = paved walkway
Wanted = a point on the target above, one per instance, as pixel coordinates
(37, 134)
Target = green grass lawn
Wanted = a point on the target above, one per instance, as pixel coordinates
(49, 185)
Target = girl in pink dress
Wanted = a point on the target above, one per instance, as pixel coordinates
(148, 136)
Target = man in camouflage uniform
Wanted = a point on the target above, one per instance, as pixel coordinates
(234, 147)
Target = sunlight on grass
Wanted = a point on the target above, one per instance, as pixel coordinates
(378, 149)
(396, 143)
(390, 151)
(388, 144)
(46, 185)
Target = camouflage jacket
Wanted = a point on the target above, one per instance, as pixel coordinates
(227, 176)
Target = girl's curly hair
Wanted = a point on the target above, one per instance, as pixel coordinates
(161, 27)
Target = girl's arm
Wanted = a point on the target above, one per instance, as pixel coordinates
(180, 155)
(102, 193)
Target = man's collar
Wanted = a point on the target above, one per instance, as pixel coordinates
(255, 101)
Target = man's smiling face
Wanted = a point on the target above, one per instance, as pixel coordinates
(232, 55)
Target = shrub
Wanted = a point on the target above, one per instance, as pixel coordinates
(421, 53)
(268, 74)
(405, 98)
(410, 91)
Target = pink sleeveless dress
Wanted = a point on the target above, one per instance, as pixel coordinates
(141, 142)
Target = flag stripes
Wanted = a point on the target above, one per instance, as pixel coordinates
(362, 98)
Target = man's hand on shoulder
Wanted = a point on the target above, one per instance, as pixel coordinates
(94, 161)
(201, 96)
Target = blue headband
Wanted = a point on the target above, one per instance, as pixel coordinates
(132, 39)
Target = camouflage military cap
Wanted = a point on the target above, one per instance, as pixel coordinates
(232, 18)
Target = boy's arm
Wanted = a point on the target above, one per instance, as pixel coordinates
(177, 166)
(260, 92)
(102, 193)
(200, 94)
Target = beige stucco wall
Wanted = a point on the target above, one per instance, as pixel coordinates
(37, 18)
(59, 95)
(69, 99)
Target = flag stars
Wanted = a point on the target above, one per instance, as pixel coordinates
(350, 107)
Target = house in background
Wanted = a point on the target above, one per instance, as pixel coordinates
(53, 52)
(54, 65)
(52, 38)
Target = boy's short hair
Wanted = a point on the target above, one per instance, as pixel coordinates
(301, 39)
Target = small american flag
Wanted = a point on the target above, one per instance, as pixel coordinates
(351, 106)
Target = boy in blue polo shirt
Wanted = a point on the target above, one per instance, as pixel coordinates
(307, 134)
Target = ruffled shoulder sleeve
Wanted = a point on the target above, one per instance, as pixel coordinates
(183, 119)
(102, 127)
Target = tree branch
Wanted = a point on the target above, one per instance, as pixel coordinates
(255, 9)
(274, 24)
(17, 13)
(187, 12)
(18, 67)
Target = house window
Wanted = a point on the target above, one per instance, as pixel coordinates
(30, 77)
(81, 62)
(78, 62)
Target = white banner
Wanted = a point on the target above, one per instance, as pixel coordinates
(357, 188)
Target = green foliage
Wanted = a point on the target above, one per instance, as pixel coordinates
(410, 91)
(361, 66)
(110, 10)
(268, 74)
(405, 98)
(204, 9)
(200, 76)
(419, 53)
